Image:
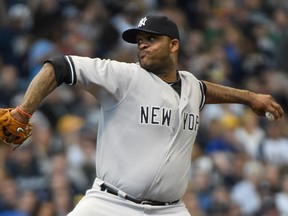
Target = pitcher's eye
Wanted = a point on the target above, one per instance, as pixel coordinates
(139, 41)
(152, 38)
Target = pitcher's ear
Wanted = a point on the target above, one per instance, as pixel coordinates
(175, 45)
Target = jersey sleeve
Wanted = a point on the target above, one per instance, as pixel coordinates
(107, 80)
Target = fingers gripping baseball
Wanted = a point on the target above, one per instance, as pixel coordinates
(265, 105)
(11, 130)
(273, 110)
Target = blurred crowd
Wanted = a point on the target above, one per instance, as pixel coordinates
(239, 161)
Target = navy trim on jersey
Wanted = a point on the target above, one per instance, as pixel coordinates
(203, 91)
(73, 79)
(64, 69)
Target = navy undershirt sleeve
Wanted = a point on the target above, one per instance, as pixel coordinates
(61, 68)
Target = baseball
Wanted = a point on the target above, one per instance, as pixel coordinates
(269, 116)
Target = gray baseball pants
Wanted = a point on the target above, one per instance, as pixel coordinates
(100, 203)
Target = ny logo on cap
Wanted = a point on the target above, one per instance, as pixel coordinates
(142, 22)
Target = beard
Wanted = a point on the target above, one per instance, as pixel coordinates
(153, 68)
(157, 67)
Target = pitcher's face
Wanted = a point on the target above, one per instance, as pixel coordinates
(154, 52)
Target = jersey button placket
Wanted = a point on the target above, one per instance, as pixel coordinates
(158, 181)
(167, 159)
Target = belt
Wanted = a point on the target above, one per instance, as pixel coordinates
(110, 190)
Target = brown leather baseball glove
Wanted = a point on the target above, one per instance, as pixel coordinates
(12, 131)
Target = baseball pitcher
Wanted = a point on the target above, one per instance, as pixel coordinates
(150, 119)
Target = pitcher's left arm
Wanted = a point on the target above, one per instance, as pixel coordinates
(259, 103)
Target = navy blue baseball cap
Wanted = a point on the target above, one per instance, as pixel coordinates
(155, 24)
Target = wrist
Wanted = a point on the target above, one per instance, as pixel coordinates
(18, 116)
(23, 112)
(249, 98)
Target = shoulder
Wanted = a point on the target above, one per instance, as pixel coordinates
(90, 65)
(187, 75)
(100, 61)
(190, 79)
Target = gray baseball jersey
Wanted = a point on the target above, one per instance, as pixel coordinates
(147, 131)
